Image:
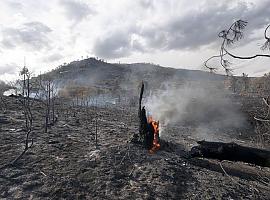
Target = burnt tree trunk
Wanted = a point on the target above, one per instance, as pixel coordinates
(146, 132)
(232, 152)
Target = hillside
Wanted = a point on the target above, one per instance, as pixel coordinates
(123, 77)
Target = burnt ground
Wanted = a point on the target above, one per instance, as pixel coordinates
(65, 163)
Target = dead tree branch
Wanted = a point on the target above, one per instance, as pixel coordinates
(231, 35)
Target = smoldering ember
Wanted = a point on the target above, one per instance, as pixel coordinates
(97, 129)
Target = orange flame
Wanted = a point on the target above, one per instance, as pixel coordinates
(155, 125)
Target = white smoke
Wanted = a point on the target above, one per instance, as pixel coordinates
(199, 104)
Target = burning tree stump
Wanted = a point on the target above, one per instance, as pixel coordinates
(148, 129)
(146, 132)
(232, 152)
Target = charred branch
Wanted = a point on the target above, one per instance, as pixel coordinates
(246, 57)
(231, 35)
(266, 45)
(212, 69)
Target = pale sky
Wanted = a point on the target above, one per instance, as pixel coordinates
(172, 33)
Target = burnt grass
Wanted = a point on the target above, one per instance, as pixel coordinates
(65, 163)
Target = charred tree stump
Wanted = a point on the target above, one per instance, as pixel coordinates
(146, 131)
(142, 115)
(232, 152)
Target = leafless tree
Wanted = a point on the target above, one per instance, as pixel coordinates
(47, 96)
(3, 103)
(96, 124)
(229, 36)
(27, 104)
(233, 83)
(245, 82)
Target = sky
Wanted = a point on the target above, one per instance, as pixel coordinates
(171, 33)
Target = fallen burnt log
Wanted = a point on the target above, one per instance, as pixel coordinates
(232, 152)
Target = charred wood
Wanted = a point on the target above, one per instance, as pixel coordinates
(146, 131)
(232, 152)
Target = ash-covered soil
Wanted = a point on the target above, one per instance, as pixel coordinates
(66, 164)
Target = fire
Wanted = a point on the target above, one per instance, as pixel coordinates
(155, 126)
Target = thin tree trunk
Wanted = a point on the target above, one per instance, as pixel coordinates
(96, 125)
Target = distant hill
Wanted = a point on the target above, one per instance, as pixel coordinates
(100, 75)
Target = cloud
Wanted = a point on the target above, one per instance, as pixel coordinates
(172, 33)
(147, 4)
(52, 58)
(188, 31)
(259, 16)
(201, 27)
(14, 4)
(115, 45)
(31, 35)
(118, 43)
(76, 10)
(8, 69)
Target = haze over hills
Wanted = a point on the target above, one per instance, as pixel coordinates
(123, 77)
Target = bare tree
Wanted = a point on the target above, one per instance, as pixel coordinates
(229, 36)
(27, 105)
(233, 83)
(48, 95)
(246, 82)
(96, 124)
(3, 104)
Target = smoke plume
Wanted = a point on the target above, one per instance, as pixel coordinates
(202, 105)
